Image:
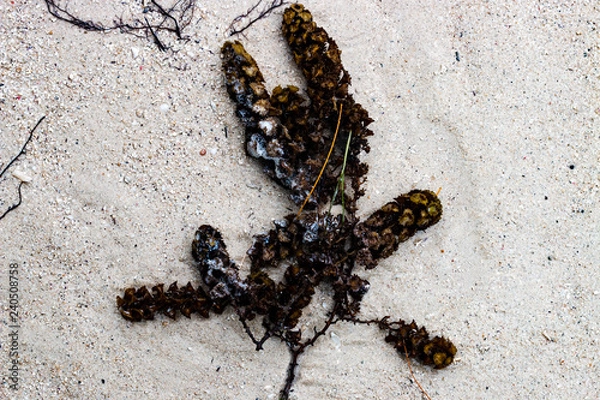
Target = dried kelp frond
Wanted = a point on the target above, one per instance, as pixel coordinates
(295, 138)
(414, 340)
(286, 150)
(312, 249)
(218, 272)
(292, 134)
(319, 59)
(141, 304)
(267, 139)
(380, 234)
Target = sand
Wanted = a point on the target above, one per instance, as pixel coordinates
(495, 102)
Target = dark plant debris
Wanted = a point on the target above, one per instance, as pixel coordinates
(291, 134)
(253, 15)
(171, 20)
(18, 203)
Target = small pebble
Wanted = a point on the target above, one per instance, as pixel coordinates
(21, 175)
(336, 340)
(164, 108)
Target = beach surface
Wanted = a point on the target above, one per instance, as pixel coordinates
(496, 103)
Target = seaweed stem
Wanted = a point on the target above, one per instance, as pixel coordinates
(295, 353)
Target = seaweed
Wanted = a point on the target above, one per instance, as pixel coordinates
(253, 15)
(310, 144)
(171, 19)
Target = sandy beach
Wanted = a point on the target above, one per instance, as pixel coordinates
(496, 103)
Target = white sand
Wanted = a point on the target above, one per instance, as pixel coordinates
(510, 274)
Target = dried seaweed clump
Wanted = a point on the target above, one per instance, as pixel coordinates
(292, 134)
(141, 304)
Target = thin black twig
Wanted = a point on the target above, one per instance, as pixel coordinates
(157, 41)
(17, 204)
(180, 16)
(11, 163)
(23, 148)
(167, 15)
(64, 15)
(261, 14)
